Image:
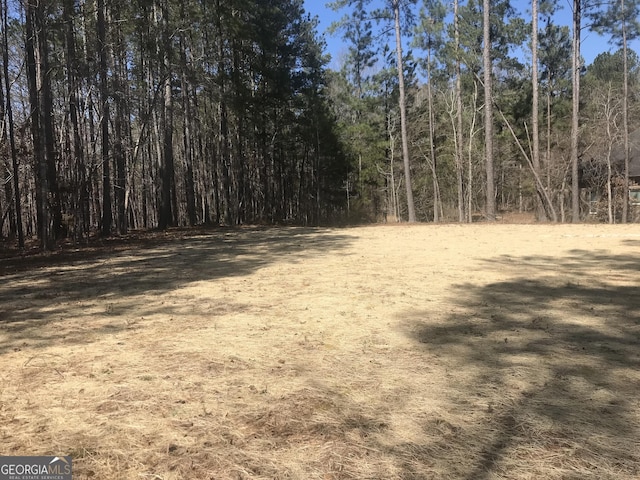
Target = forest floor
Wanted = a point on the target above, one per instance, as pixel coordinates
(386, 352)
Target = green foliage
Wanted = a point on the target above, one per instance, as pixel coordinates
(508, 30)
(366, 102)
(357, 30)
(429, 33)
(555, 57)
(609, 67)
(619, 19)
(361, 127)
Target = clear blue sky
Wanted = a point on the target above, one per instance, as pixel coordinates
(592, 44)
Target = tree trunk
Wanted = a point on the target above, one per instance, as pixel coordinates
(535, 153)
(488, 113)
(122, 137)
(107, 213)
(625, 116)
(6, 173)
(224, 150)
(80, 207)
(241, 190)
(187, 139)
(432, 146)
(120, 127)
(403, 115)
(608, 114)
(472, 133)
(458, 130)
(11, 126)
(34, 80)
(575, 119)
(168, 202)
(548, 152)
(46, 122)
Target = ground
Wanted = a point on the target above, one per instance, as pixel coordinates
(384, 352)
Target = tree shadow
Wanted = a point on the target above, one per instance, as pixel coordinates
(546, 364)
(40, 289)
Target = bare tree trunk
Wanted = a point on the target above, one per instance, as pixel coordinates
(575, 119)
(458, 130)
(535, 153)
(107, 213)
(81, 204)
(224, 149)
(539, 185)
(42, 184)
(403, 115)
(167, 211)
(609, 118)
(119, 64)
(46, 121)
(472, 133)
(8, 186)
(548, 152)
(392, 194)
(240, 165)
(168, 201)
(432, 146)
(187, 139)
(625, 116)
(488, 113)
(11, 127)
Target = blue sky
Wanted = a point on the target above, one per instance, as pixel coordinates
(592, 44)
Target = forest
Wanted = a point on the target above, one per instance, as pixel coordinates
(149, 114)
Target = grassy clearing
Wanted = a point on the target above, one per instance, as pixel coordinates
(409, 352)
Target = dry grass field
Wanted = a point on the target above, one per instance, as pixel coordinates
(389, 352)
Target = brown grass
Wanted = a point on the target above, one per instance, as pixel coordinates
(407, 352)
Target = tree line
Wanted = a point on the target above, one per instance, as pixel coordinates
(503, 113)
(140, 114)
(135, 114)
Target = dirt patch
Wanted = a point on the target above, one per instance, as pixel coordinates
(405, 352)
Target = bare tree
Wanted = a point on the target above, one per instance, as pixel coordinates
(105, 116)
(575, 115)
(535, 131)
(488, 112)
(37, 77)
(458, 120)
(10, 124)
(625, 113)
(610, 113)
(167, 210)
(403, 113)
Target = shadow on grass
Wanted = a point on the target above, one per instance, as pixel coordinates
(544, 367)
(41, 289)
